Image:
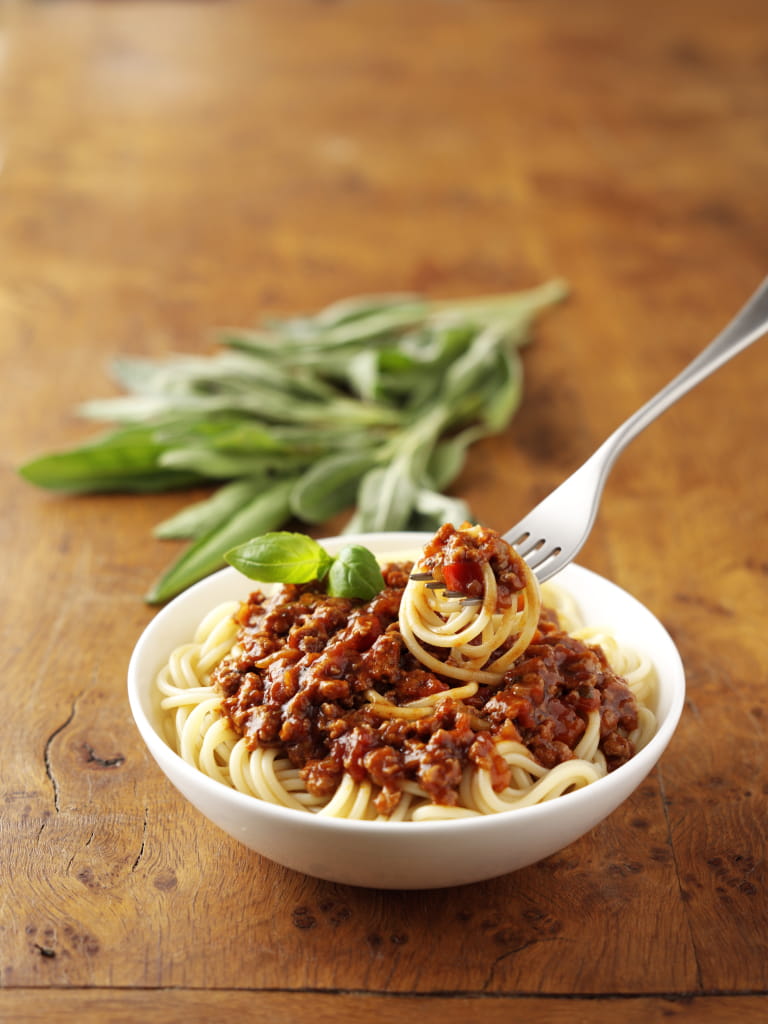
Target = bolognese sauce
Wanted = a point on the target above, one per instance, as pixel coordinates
(456, 557)
(305, 663)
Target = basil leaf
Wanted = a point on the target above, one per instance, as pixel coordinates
(281, 557)
(355, 573)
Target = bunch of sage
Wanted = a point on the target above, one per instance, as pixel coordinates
(369, 404)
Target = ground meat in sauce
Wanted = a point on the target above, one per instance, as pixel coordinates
(455, 556)
(307, 659)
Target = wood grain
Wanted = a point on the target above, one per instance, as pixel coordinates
(176, 166)
(95, 1006)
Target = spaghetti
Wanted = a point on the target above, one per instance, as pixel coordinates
(412, 706)
(472, 625)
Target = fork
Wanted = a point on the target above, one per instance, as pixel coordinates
(552, 534)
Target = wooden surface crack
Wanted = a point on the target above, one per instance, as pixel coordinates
(140, 854)
(49, 771)
(501, 958)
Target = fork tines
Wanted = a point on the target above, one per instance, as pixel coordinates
(431, 584)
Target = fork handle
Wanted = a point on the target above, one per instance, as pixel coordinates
(749, 324)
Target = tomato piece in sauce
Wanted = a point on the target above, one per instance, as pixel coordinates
(465, 577)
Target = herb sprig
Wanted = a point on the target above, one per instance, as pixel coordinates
(285, 557)
(369, 404)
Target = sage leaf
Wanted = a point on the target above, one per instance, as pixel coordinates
(127, 459)
(357, 306)
(507, 393)
(202, 516)
(385, 499)
(477, 364)
(220, 465)
(265, 512)
(438, 508)
(369, 404)
(329, 485)
(447, 458)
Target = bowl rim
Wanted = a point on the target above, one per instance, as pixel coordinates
(140, 677)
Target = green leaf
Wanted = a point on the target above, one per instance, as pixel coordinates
(373, 399)
(203, 516)
(265, 512)
(513, 308)
(261, 402)
(374, 324)
(355, 573)
(127, 459)
(280, 557)
(357, 306)
(439, 508)
(475, 366)
(505, 395)
(329, 486)
(385, 499)
(448, 457)
(221, 465)
(228, 433)
(390, 375)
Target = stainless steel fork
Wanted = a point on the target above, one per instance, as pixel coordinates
(552, 534)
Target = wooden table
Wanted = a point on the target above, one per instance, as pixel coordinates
(169, 167)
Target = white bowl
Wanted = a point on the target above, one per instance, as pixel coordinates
(407, 855)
